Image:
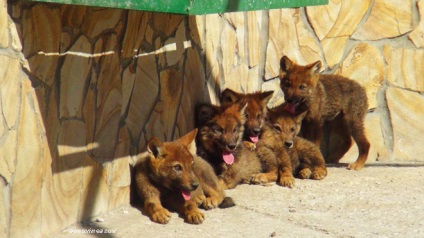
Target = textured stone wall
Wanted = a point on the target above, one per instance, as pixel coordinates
(82, 89)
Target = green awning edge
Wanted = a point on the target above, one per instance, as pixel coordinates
(192, 7)
(201, 7)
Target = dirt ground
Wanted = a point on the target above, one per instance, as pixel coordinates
(385, 199)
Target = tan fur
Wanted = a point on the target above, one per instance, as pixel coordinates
(220, 131)
(326, 99)
(170, 168)
(294, 156)
(255, 112)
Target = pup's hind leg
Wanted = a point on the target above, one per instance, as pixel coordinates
(230, 179)
(339, 127)
(312, 164)
(358, 134)
(264, 178)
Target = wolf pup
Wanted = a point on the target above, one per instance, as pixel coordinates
(219, 143)
(255, 112)
(296, 156)
(172, 174)
(326, 98)
(281, 149)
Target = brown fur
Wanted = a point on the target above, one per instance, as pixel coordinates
(169, 168)
(280, 146)
(326, 99)
(220, 131)
(255, 111)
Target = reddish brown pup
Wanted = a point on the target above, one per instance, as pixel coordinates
(281, 148)
(219, 143)
(255, 112)
(331, 99)
(170, 173)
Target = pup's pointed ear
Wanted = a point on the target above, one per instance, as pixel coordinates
(242, 108)
(204, 113)
(189, 141)
(300, 117)
(314, 67)
(286, 64)
(154, 147)
(229, 97)
(266, 96)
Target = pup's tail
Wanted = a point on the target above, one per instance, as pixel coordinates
(227, 202)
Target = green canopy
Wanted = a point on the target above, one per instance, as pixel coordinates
(193, 7)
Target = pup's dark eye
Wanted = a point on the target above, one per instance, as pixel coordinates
(177, 167)
(292, 129)
(235, 130)
(259, 116)
(302, 87)
(287, 84)
(277, 128)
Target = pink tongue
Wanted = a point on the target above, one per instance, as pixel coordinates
(228, 158)
(254, 139)
(291, 108)
(186, 195)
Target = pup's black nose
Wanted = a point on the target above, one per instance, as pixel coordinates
(290, 100)
(288, 144)
(256, 132)
(231, 146)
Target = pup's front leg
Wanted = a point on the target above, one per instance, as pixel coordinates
(285, 171)
(192, 213)
(156, 211)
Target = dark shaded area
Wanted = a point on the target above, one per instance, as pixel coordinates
(107, 141)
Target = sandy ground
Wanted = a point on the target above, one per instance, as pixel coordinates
(382, 200)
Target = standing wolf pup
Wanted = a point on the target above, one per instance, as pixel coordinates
(326, 98)
(172, 174)
(219, 143)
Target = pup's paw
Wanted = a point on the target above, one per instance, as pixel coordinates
(305, 173)
(259, 179)
(210, 203)
(249, 145)
(195, 217)
(355, 166)
(199, 199)
(161, 216)
(286, 181)
(319, 174)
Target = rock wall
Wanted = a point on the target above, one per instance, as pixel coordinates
(82, 89)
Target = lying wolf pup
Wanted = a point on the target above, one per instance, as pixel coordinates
(172, 174)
